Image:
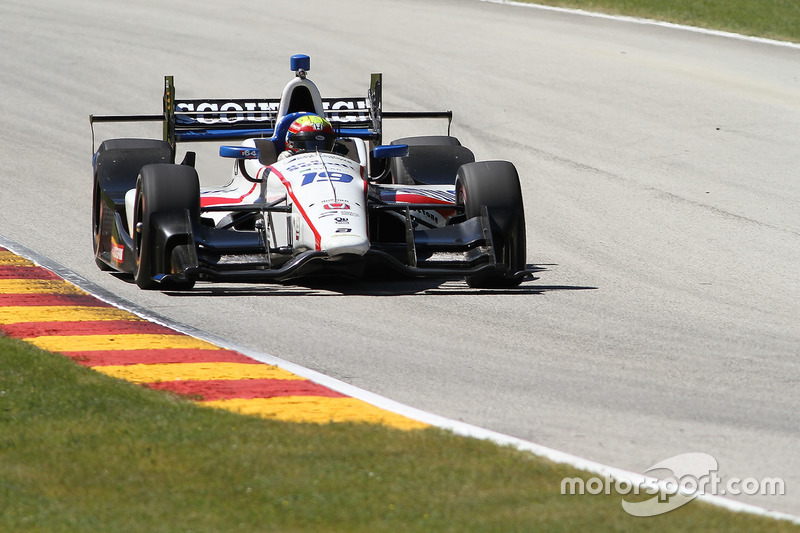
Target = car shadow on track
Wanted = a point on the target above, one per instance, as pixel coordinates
(374, 286)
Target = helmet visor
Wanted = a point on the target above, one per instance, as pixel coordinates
(313, 141)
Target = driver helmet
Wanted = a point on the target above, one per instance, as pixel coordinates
(310, 132)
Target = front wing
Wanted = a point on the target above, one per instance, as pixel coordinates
(460, 249)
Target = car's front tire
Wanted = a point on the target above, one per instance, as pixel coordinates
(495, 184)
(160, 188)
(116, 165)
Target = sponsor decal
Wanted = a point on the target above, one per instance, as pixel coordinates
(336, 206)
(312, 177)
(344, 110)
(228, 111)
(350, 214)
(117, 252)
(310, 160)
(216, 111)
(430, 215)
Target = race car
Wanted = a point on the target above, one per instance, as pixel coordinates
(313, 190)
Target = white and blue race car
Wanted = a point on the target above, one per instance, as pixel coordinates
(420, 206)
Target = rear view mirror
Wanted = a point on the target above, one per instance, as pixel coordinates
(267, 154)
(238, 152)
(264, 151)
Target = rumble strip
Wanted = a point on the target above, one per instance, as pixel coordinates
(45, 310)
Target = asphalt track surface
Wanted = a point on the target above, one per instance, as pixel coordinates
(659, 169)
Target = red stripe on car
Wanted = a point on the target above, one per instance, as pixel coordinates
(290, 191)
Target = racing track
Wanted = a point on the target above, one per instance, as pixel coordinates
(659, 170)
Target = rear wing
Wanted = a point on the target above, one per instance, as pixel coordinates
(198, 120)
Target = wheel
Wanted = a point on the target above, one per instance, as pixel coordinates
(431, 160)
(429, 140)
(116, 165)
(160, 188)
(495, 184)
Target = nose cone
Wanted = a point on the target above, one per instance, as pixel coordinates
(343, 243)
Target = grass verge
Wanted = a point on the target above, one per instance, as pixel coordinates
(80, 451)
(773, 19)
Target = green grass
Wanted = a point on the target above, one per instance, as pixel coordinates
(774, 19)
(83, 452)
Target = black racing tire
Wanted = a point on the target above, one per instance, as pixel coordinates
(429, 140)
(431, 160)
(398, 170)
(495, 184)
(160, 188)
(116, 166)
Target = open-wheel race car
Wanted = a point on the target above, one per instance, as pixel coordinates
(313, 190)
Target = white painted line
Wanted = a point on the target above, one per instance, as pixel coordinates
(459, 428)
(648, 22)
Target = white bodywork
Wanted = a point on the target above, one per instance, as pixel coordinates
(328, 198)
(326, 192)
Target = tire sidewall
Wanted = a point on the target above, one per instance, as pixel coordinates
(161, 187)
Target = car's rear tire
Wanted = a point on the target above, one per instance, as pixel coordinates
(429, 140)
(495, 184)
(116, 165)
(431, 160)
(160, 188)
